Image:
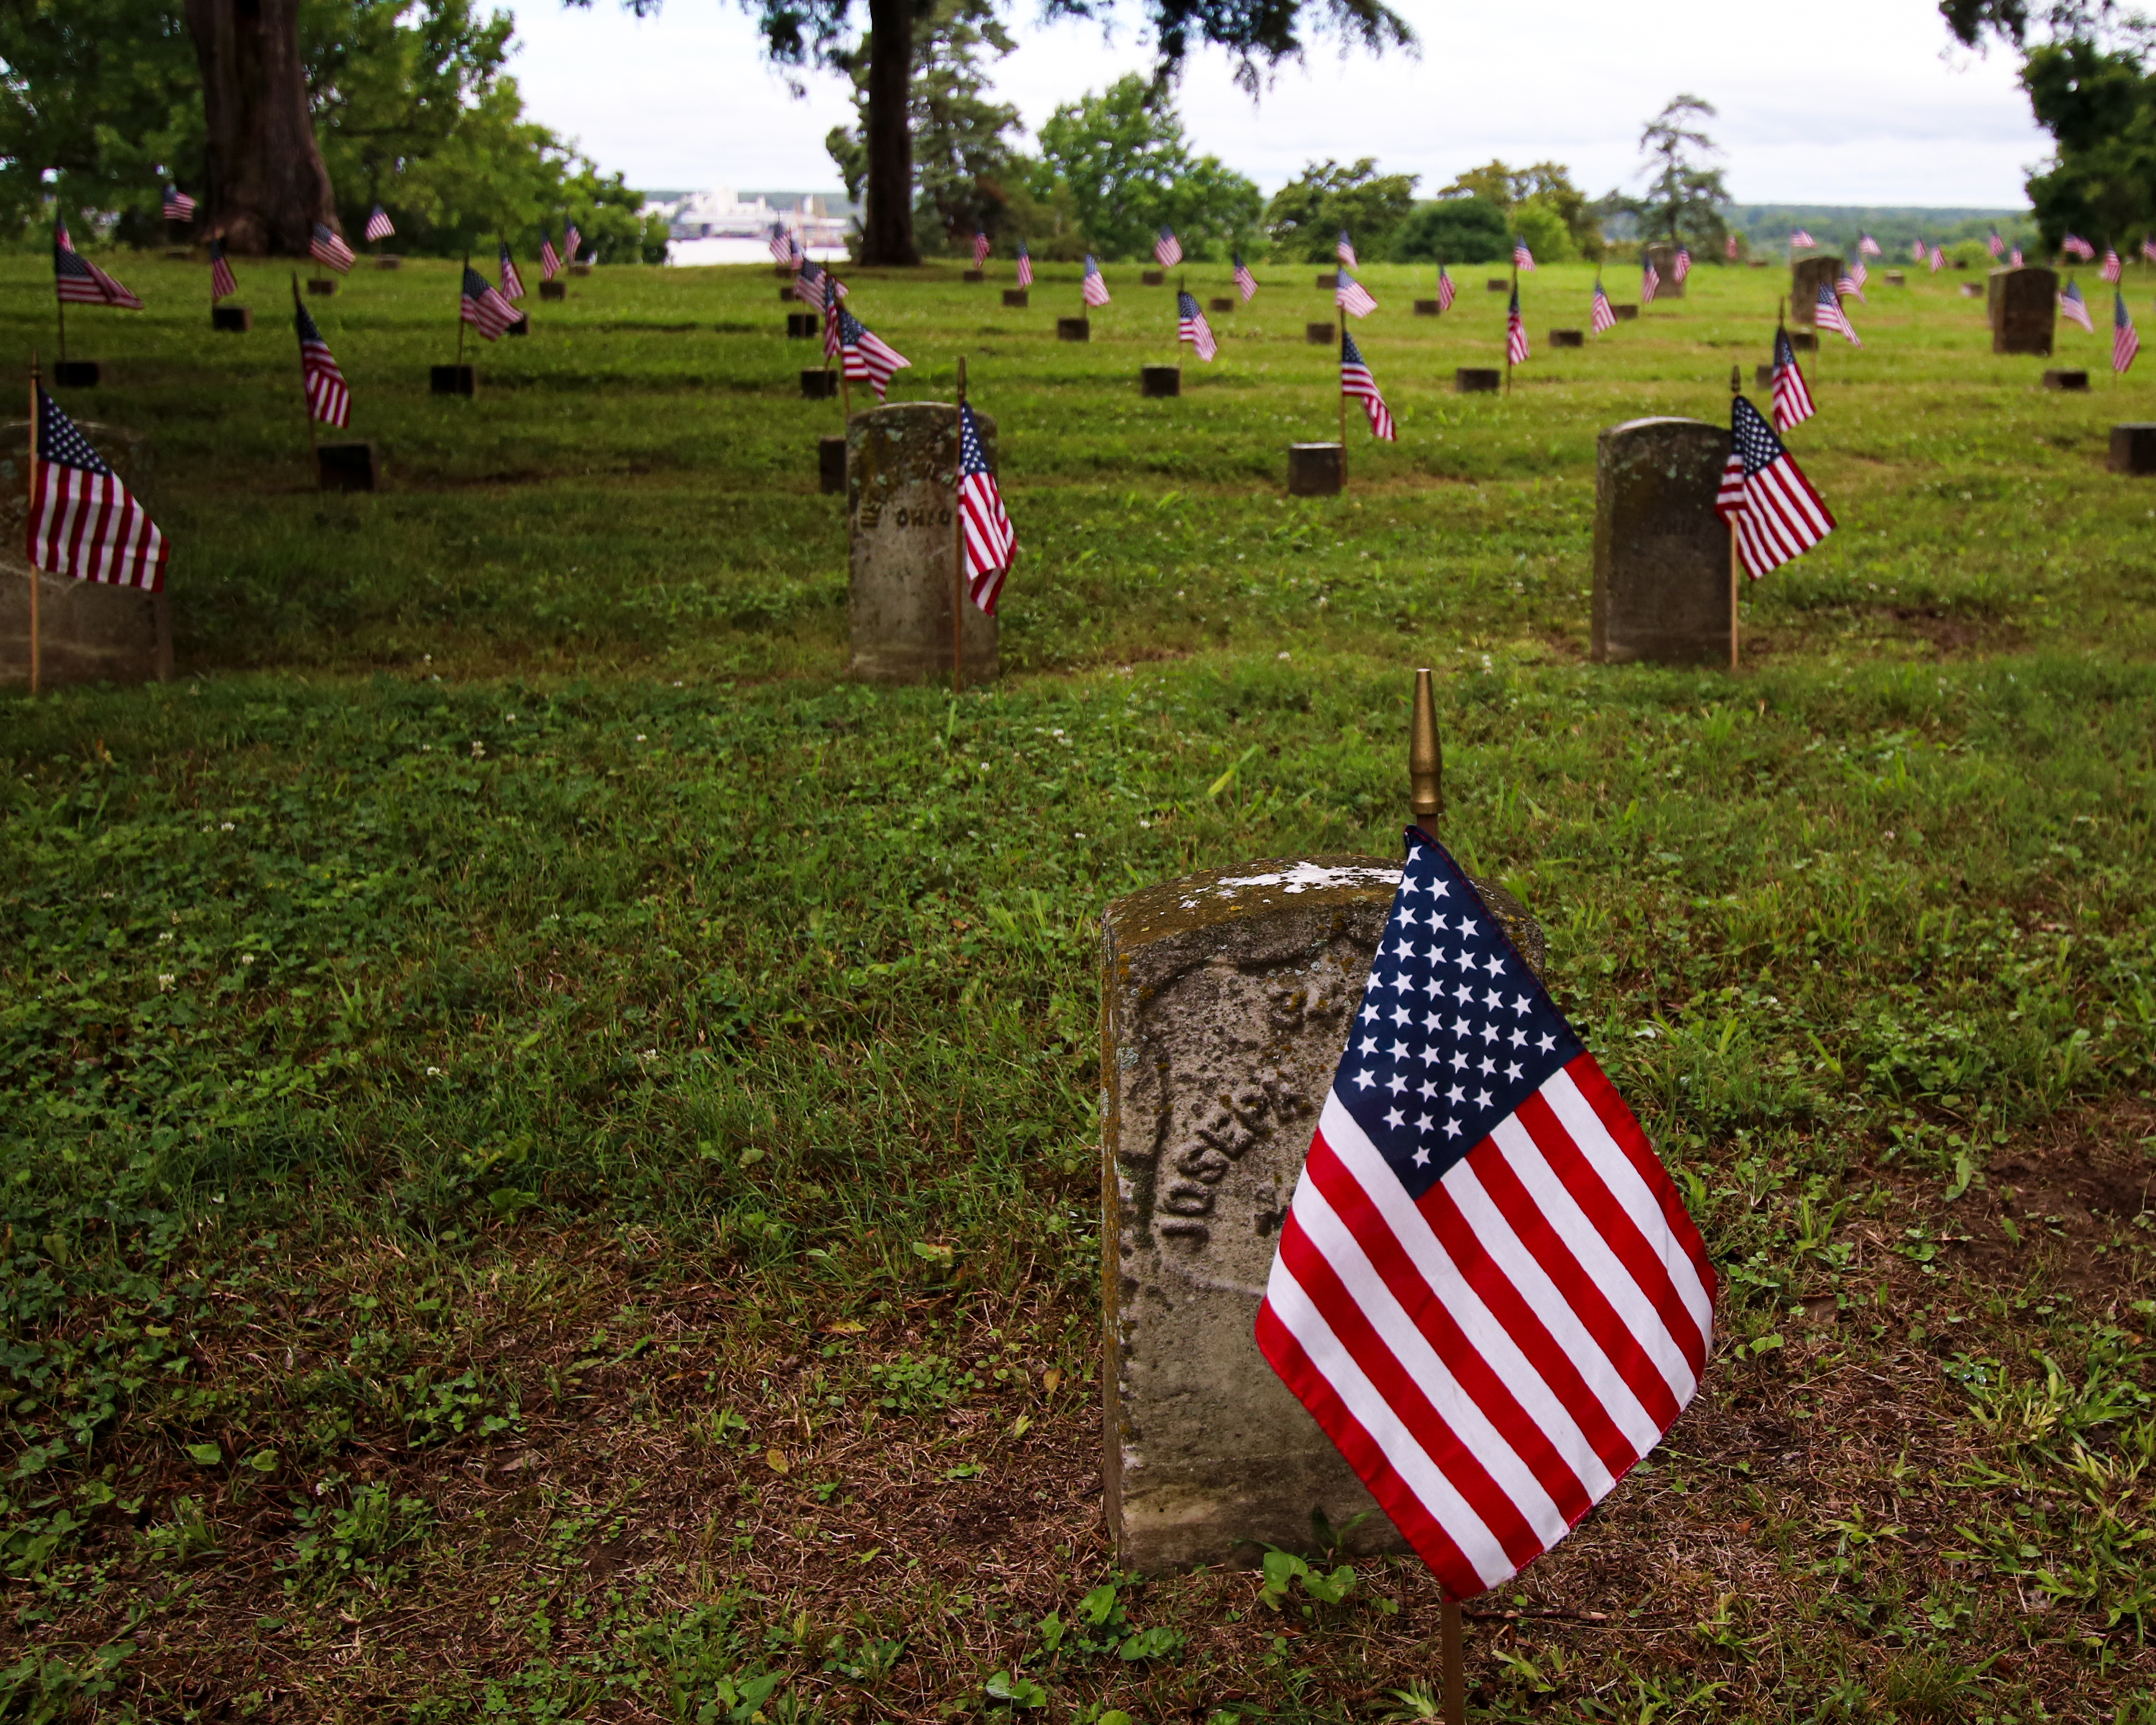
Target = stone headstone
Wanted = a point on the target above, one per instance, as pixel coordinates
(1804, 341)
(2076, 379)
(1151, 278)
(1328, 279)
(1226, 1001)
(1221, 302)
(785, 296)
(344, 467)
(818, 383)
(1626, 313)
(2024, 308)
(1661, 554)
(1567, 338)
(554, 290)
(803, 326)
(77, 374)
(1476, 380)
(1895, 278)
(1763, 377)
(1498, 284)
(388, 260)
(522, 326)
(1073, 329)
(451, 380)
(324, 285)
(1018, 299)
(1807, 275)
(901, 499)
(1315, 469)
(975, 276)
(1318, 335)
(1971, 290)
(586, 269)
(1427, 308)
(87, 632)
(831, 465)
(1665, 260)
(231, 319)
(1160, 380)
(2133, 449)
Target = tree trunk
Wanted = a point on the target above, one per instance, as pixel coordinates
(887, 220)
(267, 185)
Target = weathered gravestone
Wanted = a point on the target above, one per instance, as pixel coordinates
(1664, 257)
(1476, 380)
(1807, 276)
(1567, 338)
(1627, 312)
(1661, 554)
(2134, 448)
(1018, 299)
(901, 502)
(2072, 378)
(1226, 999)
(2024, 308)
(1317, 335)
(87, 632)
(1160, 380)
(231, 319)
(1315, 470)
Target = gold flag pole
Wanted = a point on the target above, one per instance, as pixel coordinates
(959, 542)
(30, 511)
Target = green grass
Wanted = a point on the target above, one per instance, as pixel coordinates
(550, 1162)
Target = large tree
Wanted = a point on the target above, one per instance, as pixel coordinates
(1258, 34)
(265, 186)
(1129, 171)
(1307, 215)
(1685, 197)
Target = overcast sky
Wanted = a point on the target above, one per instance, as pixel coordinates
(1827, 101)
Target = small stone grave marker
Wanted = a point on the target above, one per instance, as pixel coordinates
(1427, 308)
(1567, 338)
(1315, 469)
(1498, 284)
(77, 374)
(975, 276)
(1018, 299)
(1665, 260)
(2024, 308)
(1160, 380)
(803, 326)
(1318, 335)
(1629, 312)
(554, 290)
(1476, 380)
(2133, 449)
(344, 467)
(231, 319)
(818, 383)
(1151, 278)
(901, 502)
(1807, 275)
(831, 464)
(2076, 379)
(1073, 329)
(388, 260)
(451, 380)
(324, 285)
(1661, 554)
(1221, 302)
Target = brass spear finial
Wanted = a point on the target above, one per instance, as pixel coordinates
(1425, 758)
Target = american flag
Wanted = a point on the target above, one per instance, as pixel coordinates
(2079, 247)
(1765, 497)
(796, 255)
(2016, 260)
(1246, 284)
(1650, 279)
(2125, 342)
(1793, 396)
(833, 341)
(221, 285)
(378, 225)
(1486, 1289)
(329, 398)
(1599, 316)
(1938, 259)
(1523, 258)
(83, 521)
(1024, 266)
(980, 248)
(1446, 289)
(329, 249)
(808, 285)
(1351, 297)
(1995, 245)
(1829, 316)
(178, 206)
(869, 359)
(549, 260)
(512, 284)
(1094, 288)
(1683, 265)
(573, 242)
(1917, 251)
(1852, 280)
(991, 541)
(2148, 249)
(1515, 332)
(78, 282)
(1190, 325)
(1729, 248)
(1356, 384)
(1168, 249)
(1798, 237)
(2074, 307)
(1345, 251)
(778, 245)
(2112, 268)
(1866, 246)
(484, 309)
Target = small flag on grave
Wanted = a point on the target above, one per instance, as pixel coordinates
(329, 398)
(222, 283)
(1190, 325)
(834, 340)
(1729, 248)
(512, 284)
(1829, 316)
(2073, 307)
(1345, 251)
(2112, 268)
(1246, 284)
(980, 248)
(2125, 339)
(1798, 236)
(869, 359)
(1917, 251)
(1866, 246)
(78, 282)
(1351, 297)
(1851, 280)
(83, 521)
(1094, 289)
(2080, 247)
(1769, 503)
(2148, 248)
(1356, 384)
(808, 285)
(178, 206)
(1793, 396)
(1486, 1292)
(572, 242)
(549, 260)
(1650, 278)
(483, 308)
(991, 541)
(1683, 265)
(328, 248)
(1024, 266)
(1938, 259)
(1515, 332)
(1599, 316)
(780, 248)
(379, 227)
(1447, 290)
(1995, 245)
(2016, 260)
(1523, 258)
(1168, 249)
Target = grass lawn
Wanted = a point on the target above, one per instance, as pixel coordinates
(549, 1166)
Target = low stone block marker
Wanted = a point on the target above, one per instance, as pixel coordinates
(586, 269)
(1895, 278)
(1567, 338)
(1427, 308)
(231, 319)
(1160, 380)
(451, 380)
(1220, 302)
(77, 374)
(87, 632)
(1476, 380)
(831, 465)
(1319, 335)
(1328, 279)
(1661, 554)
(1018, 299)
(902, 515)
(1226, 999)
(2133, 449)
(785, 272)
(1807, 275)
(818, 384)
(324, 285)
(554, 290)
(803, 326)
(2073, 380)
(1665, 260)
(1629, 312)
(2024, 308)
(974, 275)
(522, 326)
(785, 296)
(1315, 469)
(389, 260)
(344, 467)
(1763, 376)
(1151, 278)
(1804, 341)
(1073, 329)
(1971, 290)
(1498, 284)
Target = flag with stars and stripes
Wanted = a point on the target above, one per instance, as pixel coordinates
(1938, 259)
(834, 345)
(1793, 396)
(549, 260)
(1168, 249)
(1995, 245)
(512, 284)
(808, 283)
(1523, 258)
(2148, 249)
(1486, 1289)
(2016, 260)
(1447, 290)
(980, 248)
(2112, 268)
(2078, 247)
(1351, 297)
(780, 248)
(482, 307)
(1917, 251)
(1094, 289)
(1829, 316)
(1246, 284)
(1729, 248)
(78, 282)
(1650, 280)
(991, 541)
(327, 248)
(1798, 237)
(379, 227)
(1599, 316)
(329, 398)
(1024, 266)
(1515, 332)
(2125, 339)
(83, 521)
(573, 242)
(1851, 280)
(869, 359)
(1356, 384)
(223, 285)
(2073, 307)
(1769, 503)
(1866, 246)
(1345, 251)
(1190, 325)
(796, 254)
(1682, 267)
(178, 206)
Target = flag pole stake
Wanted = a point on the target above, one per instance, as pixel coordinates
(1449, 1633)
(29, 511)
(306, 407)
(1343, 407)
(460, 306)
(1425, 758)
(1508, 330)
(958, 542)
(1735, 388)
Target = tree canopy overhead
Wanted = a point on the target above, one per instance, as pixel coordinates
(1306, 214)
(1130, 172)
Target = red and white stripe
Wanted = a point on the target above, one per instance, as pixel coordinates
(1447, 290)
(2112, 268)
(1600, 314)
(1024, 266)
(88, 525)
(1351, 297)
(379, 227)
(481, 306)
(549, 260)
(327, 248)
(980, 248)
(1094, 289)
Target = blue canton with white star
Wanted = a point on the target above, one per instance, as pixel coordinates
(1455, 1032)
(61, 443)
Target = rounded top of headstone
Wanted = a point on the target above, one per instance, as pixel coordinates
(1221, 894)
